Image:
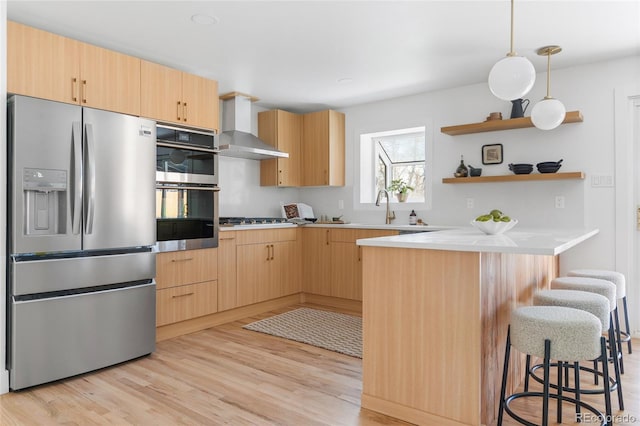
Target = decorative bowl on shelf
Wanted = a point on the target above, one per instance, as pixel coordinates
(474, 171)
(493, 228)
(521, 169)
(549, 166)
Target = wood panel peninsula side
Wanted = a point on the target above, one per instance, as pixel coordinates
(436, 307)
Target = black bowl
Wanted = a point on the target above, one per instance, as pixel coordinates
(549, 164)
(549, 169)
(311, 219)
(521, 169)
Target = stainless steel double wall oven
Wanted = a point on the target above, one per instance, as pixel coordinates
(186, 188)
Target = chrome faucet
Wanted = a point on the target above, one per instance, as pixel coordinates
(390, 215)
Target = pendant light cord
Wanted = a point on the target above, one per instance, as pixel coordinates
(548, 74)
(511, 52)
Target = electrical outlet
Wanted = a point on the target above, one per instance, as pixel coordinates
(470, 203)
(340, 204)
(559, 202)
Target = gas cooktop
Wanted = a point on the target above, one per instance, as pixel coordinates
(236, 221)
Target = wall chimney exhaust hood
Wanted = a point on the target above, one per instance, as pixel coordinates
(236, 139)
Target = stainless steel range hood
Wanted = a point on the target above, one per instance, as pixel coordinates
(236, 139)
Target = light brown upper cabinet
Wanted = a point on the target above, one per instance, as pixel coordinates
(323, 149)
(49, 66)
(173, 96)
(282, 130)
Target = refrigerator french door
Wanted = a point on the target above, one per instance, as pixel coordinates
(81, 230)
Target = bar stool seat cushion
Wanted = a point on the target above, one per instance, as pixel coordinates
(593, 303)
(605, 288)
(574, 334)
(615, 277)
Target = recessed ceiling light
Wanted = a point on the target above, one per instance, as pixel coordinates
(346, 80)
(202, 19)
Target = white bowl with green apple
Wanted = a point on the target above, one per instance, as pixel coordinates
(493, 223)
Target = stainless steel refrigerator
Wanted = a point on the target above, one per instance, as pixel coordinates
(81, 196)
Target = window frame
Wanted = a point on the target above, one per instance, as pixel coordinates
(363, 136)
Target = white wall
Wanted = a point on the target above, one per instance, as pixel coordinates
(587, 147)
(239, 181)
(4, 376)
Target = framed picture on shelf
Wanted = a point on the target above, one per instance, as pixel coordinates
(492, 154)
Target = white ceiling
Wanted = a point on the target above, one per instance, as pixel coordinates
(294, 54)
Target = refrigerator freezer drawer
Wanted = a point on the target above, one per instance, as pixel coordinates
(40, 276)
(60, 337)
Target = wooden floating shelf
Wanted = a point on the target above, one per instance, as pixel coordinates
(495, 125)
(517, 178)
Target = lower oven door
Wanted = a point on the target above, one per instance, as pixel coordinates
(187, 216)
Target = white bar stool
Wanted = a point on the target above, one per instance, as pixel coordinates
(599, 306)
(609, 290)
(618, 279)
(559, 333)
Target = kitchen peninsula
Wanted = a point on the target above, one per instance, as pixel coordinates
(436, 307)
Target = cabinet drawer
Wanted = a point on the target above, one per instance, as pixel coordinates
(343, 235)
(186, 267)
(186, 302)
(351, 235)
(266, 236)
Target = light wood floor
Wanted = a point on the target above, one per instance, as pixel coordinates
(226, 375)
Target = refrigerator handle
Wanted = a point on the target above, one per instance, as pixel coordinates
(76, 210)
(90, 178)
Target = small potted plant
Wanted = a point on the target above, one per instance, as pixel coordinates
(401, 188)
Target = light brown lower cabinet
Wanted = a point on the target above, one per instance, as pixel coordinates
(227, 282)
(185, 302)
(333, 261)
(268, 264)
(186, 283)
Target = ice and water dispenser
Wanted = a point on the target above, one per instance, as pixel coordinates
(45, 198)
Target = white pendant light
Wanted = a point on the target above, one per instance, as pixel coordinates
(549, 113)
(512, 77)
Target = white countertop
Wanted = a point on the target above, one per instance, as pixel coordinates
(414, 228)
(522, 241)
(257, 226)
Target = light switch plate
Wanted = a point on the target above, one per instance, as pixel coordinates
(602, 181)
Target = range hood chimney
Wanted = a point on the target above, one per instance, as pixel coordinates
(236, 139)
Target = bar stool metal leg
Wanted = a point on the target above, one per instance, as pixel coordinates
(576, 373)
(605, 379)
(616, 366)
(505, 373)
(545, 388)
(626, 323)
(618, 341)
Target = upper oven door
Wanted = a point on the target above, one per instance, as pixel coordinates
(186, 156)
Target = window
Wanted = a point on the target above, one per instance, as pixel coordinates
(391, 155)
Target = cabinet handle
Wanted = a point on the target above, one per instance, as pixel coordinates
(182, 295)
(84, 91)
(74, 87)
(359, 253)
(273, 251)
(327, 237)
(268, 252)
(184, 111)
(178, 110)
(182, 260)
